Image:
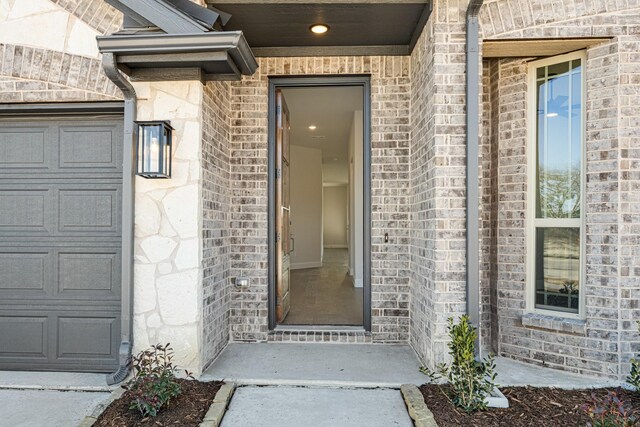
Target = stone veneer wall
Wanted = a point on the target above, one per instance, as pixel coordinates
(438, 278)
(216, 197)
(608, 338)
(390, 82)
(168, 280)
(37, 65)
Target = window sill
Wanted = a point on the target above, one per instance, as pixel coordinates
(554, 323)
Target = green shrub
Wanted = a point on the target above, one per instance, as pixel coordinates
(609, 411)
(471, 381)
(634, 375)
(154, 383)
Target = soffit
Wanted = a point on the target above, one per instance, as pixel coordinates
(529, 48)
(277, 28)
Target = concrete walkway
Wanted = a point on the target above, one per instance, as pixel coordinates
(514, 373)
(295, 407)
(49, 399)
(324, 365)
(46, 408)
(54, 381)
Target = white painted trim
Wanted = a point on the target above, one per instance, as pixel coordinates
(532, 222)
(336, 246)
(358, 283)
(302, 265)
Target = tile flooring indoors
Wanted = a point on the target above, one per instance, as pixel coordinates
(325, 295)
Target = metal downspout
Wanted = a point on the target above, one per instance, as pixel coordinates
(110, 66)
(473, 150)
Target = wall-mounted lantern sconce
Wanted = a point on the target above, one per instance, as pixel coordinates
(154, 149)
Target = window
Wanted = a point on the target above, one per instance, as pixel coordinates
(556, 182)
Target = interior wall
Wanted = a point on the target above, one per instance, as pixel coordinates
(306, 207)
(356, 199)
(334, 218)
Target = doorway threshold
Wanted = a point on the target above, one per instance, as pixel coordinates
(340, 328)
(320, 334)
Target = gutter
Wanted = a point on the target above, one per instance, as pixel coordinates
(232, 42)
(110, 66)
(473, 151)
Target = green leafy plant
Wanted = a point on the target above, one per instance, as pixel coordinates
(609, 411)
(471, 381)
(634, 375)
(154, 383)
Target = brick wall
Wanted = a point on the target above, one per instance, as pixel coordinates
(98, 14)
(608, 338)
(606, 341)
(629, 216)
(438, 182)
(390, 87)
(489, 208)
(30, 74)
(216, 194)
(554, 18)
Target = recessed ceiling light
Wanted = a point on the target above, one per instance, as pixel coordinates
(319, 28)
(551, 115)
(312, 127)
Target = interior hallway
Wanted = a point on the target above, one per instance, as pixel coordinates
(325, 295)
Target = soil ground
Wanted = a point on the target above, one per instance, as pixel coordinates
(548, 407)
(187, 410)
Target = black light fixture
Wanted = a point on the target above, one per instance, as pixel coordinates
(154, 149)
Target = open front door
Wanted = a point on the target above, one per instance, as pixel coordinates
(283, 211)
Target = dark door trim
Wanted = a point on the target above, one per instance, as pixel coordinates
(318, 81)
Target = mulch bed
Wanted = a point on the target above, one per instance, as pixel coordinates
(528, 407)
(187, 410)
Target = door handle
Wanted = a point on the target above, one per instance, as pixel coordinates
(293, 243)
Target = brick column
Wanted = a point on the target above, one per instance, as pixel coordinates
(438, 286)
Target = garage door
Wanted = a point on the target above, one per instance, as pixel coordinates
(60, 243)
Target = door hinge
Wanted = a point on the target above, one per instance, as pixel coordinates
(278, 173)
(278, 237)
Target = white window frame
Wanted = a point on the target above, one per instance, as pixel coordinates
(532, 221)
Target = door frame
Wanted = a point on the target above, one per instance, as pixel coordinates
(363, 81)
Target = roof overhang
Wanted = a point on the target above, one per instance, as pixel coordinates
(357, 27)
(215, 55)
(530, 48)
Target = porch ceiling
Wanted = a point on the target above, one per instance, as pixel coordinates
(274, 28)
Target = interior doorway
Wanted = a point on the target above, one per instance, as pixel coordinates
(319, 227)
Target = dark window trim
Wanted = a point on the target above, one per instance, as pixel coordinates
(318, 81)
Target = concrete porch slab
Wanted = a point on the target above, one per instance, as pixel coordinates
(514, 373)
(54, 381)
(325, 365)
(294, 407)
